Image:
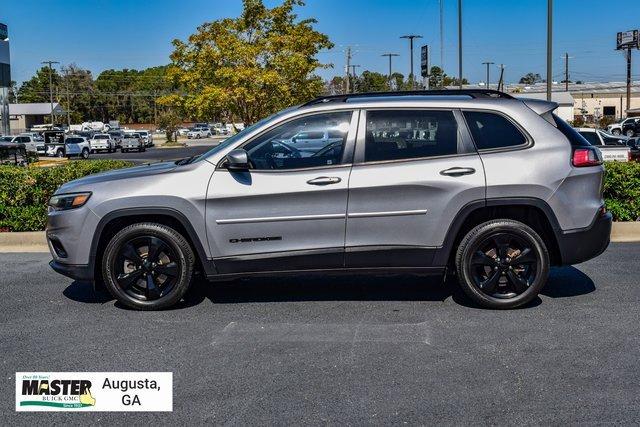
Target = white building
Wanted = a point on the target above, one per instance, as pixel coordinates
(24, 116)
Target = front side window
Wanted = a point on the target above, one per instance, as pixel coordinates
(405, 134)
(490, 130)
(310, 141)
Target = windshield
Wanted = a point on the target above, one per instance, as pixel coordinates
(238, 136)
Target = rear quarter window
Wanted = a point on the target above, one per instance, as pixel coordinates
(491, 131)
(570, 133)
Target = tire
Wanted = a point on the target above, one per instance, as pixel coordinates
(60, 153)
(126, 270)
(85, 153)
(616, 131)
(487, 272)
(629, 133)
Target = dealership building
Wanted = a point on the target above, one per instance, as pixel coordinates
(23, 117)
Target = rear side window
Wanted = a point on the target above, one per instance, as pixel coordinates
(591, 137)
(570, 133)
(490, 130)
(401, 134)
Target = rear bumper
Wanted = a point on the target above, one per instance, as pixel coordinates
(579, 246)
(76, 272)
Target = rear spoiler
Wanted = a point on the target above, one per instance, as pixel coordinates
(540, 106)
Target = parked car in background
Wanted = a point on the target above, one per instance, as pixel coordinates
(146, 136)
(117, 136)
(102, 142)
(183, 131)
(616, 128)
(613, 148)
(28, 141)
(198, 133)
(77, 146)
(631, 128)
(6, 138)
(132, 141)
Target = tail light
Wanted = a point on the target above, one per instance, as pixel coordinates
(586, 156)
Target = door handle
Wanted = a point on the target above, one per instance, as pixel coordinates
(324, 180)
(458, 171)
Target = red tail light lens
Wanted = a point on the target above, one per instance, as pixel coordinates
(588, 156)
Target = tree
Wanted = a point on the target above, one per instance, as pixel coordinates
(530, 78)
(170, 122)
(371, 81)
(249, 66)
(36, 89)
(77, 93)
(438, 79)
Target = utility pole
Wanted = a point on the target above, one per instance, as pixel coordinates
(50, 85)
(549, 48)
(347, 69)
(411, 37)
(460, 43)
(441, 36)
(566, 71)
(353, 69)
(501, 81)
(628, 78)
(390, 55)
(488, 63)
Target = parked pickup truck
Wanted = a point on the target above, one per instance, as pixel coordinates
(131, 141)
(612, 147)
(102, 142)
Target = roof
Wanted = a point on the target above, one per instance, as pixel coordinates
(412, 94)
(35, 109)
(574, 88)
(562, 98)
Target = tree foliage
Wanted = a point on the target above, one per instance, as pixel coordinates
(530, 78)
(250, 66)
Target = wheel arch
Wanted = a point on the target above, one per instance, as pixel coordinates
(114, 221)
(535, 213)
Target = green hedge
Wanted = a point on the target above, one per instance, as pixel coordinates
(622, 190)
(25, 191)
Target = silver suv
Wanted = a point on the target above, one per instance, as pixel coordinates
(474, 183)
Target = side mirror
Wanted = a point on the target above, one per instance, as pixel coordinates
(238, 160)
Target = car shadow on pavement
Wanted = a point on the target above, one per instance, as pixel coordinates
(563, 282)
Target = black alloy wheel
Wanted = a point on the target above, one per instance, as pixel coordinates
(148, 266)
(502, 264)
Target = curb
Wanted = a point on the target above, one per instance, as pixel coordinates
(36, 241)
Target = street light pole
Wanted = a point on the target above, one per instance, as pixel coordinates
(50, 85)
(411, 37)
(460, 43)
(488, 64)
(549, 48)
(390, 55)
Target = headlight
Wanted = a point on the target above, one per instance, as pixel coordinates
(63, 202)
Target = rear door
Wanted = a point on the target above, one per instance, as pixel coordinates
(288, 212)
(414, 171)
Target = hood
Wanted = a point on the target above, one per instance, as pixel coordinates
(114, 175)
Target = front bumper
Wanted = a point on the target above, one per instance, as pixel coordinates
(579, 246)
(75, 272)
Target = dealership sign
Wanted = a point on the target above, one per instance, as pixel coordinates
(424, 61)
(627, 40)
(94, 391)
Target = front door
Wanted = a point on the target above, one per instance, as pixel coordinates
(414, 171)
(288, 212)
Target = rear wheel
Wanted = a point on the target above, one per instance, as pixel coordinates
(616, 132)
(502, 264)
(85, 153)
(629, 133)
(148, 266)
(60, 153)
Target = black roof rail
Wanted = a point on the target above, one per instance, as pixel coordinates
(473, 93)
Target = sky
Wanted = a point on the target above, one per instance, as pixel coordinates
(104, 34)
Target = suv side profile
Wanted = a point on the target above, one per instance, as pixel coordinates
(475, 183)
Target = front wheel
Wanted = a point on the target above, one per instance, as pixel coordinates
(148, 266)
(85, 153)
(60, 153)
(629, 133)
(502, 264)
(616, 132)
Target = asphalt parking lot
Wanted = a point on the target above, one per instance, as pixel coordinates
(352, 350)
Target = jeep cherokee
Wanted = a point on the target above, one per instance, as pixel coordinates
(474, 182)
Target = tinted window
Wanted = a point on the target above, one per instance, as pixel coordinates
(570, 133)
(281, 148)
(612, 140)
(398, 134)
(491, 130)
(591, 137)
(74, 140)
